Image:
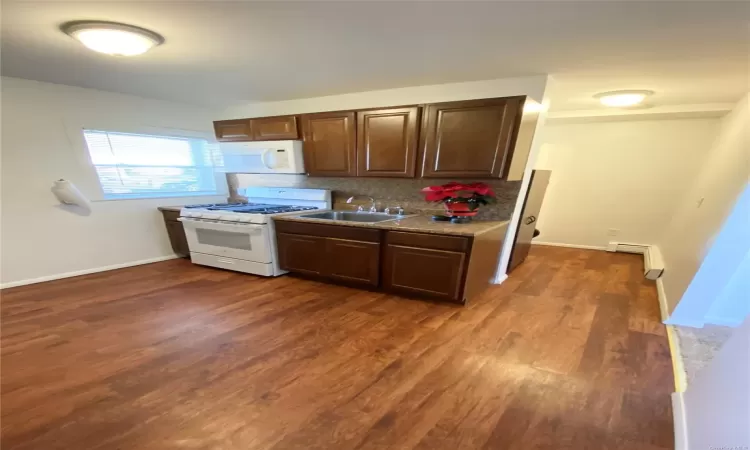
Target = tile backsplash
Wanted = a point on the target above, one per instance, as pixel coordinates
(404, 192)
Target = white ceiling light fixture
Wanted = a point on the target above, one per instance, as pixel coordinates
(112, 38)
(622, 99)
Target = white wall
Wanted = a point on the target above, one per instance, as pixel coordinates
(716, 405)
(706, 204)
(623, 175)
(38, 239)
(530, 86)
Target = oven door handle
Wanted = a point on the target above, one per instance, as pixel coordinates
(242, 227)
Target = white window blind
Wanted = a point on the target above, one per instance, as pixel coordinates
(142, 166)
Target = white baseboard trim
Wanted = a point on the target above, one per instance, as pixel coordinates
(86, 271)
(558, 244)
(680, 421)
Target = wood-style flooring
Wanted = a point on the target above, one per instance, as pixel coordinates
(568, 353)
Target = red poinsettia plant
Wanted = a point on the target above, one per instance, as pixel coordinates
(472, 194)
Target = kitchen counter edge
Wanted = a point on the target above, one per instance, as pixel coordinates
(412, 223)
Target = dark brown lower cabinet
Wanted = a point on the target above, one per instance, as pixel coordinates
(176, 233)
(445, 267)
(353, 261)
(346, 254)
(300, 253)
(437, 273)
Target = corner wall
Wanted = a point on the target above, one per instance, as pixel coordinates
(716, 406)
(622, 175)
(706, 204)
(38, 239)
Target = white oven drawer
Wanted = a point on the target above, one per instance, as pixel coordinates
(238, 265)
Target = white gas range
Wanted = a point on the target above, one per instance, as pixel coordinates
(240, 236)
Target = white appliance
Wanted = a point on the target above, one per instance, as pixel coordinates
(241, 236)
(263, 157)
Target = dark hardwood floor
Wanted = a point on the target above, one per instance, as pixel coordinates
(567, 354)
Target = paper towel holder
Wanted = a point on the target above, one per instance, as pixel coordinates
(70, 197)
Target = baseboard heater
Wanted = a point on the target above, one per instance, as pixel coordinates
(652, 261)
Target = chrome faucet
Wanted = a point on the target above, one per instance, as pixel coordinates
(399, 210)
(360, 208)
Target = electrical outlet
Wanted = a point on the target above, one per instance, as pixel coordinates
(613, 232)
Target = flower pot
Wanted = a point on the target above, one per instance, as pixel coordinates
(461, 209)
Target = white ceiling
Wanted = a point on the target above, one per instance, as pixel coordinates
(226, 53)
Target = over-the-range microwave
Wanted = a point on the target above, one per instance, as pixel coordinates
(263, 157)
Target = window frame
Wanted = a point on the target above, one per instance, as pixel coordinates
(91, 185)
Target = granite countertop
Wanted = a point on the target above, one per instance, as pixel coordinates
(170, 208)
(415, 223)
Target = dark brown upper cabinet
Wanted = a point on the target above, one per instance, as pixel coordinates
(470, 139)
(274, 128)
(330, 144)
(387, 142)
(233, 130)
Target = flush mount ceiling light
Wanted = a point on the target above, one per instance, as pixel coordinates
(112, 38)
(622, 99)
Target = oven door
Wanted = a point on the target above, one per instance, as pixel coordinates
(233, 240)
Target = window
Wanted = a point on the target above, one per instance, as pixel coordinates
(142, 166)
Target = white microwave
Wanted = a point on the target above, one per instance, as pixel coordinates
(263, 157)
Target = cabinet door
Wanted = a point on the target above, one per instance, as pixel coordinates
(437, 273)
(299, 253)
(329, 144)
(274, 128)
(470, 139)
(233, 130)
(532, 205)
(177, 238)
(353, 261)
(387, 142)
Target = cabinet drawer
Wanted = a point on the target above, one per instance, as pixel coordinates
(237, 265)
(334, 231)
(436, 241)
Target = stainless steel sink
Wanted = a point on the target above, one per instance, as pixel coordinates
(348, 216)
